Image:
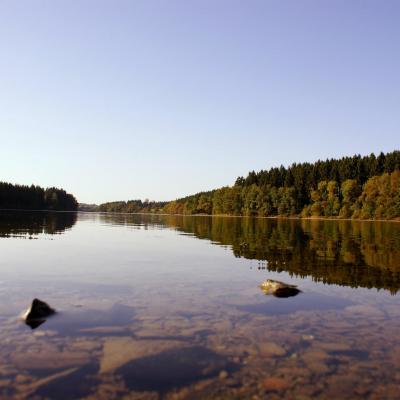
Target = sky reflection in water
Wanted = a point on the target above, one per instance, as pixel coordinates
(146, 308)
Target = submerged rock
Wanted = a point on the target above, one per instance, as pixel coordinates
(279, 289)
(274, 384)
(175, 368)
(37, 313)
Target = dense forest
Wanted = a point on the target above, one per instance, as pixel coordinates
(33, 197)
(352, 187)
(133, 206)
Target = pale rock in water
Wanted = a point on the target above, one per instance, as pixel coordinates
(279, 289)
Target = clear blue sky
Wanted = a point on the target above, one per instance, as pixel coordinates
(159, 99)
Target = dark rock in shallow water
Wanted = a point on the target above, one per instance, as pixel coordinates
(279, 289)
(37, 313)
(286, 292)
(34, 323)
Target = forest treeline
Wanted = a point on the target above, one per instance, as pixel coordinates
(33, 197)
(133, 206)
(351, 187)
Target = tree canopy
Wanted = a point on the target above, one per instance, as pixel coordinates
(133, 206)
(350, 187)
(33, 197)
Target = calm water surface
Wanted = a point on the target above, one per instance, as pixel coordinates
(169, 307)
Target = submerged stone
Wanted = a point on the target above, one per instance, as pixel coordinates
(175, 368)
(279, 289)
(37, 313)
(271, 349)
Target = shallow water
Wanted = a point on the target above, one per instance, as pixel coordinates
(167, 307)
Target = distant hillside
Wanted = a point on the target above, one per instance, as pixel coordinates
(88, 207)
(35, 198)
(133, 206)
(351, 187)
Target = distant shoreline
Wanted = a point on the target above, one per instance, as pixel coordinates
(208, 215)
(244, 216)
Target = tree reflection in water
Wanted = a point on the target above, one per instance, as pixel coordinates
(342, 252)
(31, 224)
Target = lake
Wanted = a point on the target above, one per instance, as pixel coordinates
(170, 307)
